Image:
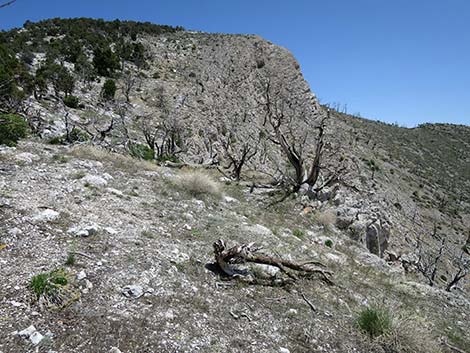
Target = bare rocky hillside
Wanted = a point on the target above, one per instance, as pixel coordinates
(352, 235)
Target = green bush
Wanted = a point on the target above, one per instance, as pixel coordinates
(329, 243)
(374, 321)
(168, 158)
(105, 61)
(71, 102)
(109, 90)
(77, 135)
(12, 128)
(141, 151)
(48, 283)
(298, 233)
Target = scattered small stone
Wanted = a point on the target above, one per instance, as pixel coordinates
(26, 157)
(107, 176)
(94, 180)
(15, 231)
(47, 215)
(111, 231)
(36, 338)
(229, 199)
(16, 304)
(133, 291)
(81, 275)
(115, 192)
(32, 334)
(87, 286)
(292, 312)
(169, 315)
(85, 231)
(27, 332)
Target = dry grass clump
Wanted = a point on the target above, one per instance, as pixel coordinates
(326, 218)
(119, 161)
(197, 184)
(394, 334)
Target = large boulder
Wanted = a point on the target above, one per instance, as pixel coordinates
(377, 236)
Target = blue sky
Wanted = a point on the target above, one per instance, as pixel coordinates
(392, 60)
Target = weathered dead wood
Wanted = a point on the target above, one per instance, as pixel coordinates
(7, 3)
(451, 347)
(309, 303)
(227, 258)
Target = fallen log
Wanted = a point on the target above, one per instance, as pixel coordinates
(229, 258)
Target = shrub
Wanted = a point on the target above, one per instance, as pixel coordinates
(56, 140)
(12, 128)
(71, 101)
(105, 61)
(78, 135)
(298, 233)
(55, 289)
(198, 184)
(138, 150)
(109, 90)
(70, 259)
(168, 158)
(48, 283)
(374, 321)
(329, 243)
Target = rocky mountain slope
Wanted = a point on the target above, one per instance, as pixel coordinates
(104, 251)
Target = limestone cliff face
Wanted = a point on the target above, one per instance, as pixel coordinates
(216, 83)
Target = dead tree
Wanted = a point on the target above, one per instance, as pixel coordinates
(238, 145)
(163, 138)
(164, 133)
(7, 3)
(460, 260)
(228, 258)
(428, 261)
(130, 81)
(291, 125)
(237, 138)
(433, 260)
(238, 155)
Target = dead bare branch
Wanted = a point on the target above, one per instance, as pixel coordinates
(7, 3)
(227, 258)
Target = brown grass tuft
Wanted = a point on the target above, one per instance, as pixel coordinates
(197, 183)
(119, 161)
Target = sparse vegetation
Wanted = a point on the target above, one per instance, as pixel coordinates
(374, 321)
(117, 160)
(109, 90)
(326, 218)
(70, 261)
(197, 184)
(298, 233)
(71, 101)
(12, 128)
(48, 283)
(141, 151)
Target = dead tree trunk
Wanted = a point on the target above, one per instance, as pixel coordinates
(247, 253)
